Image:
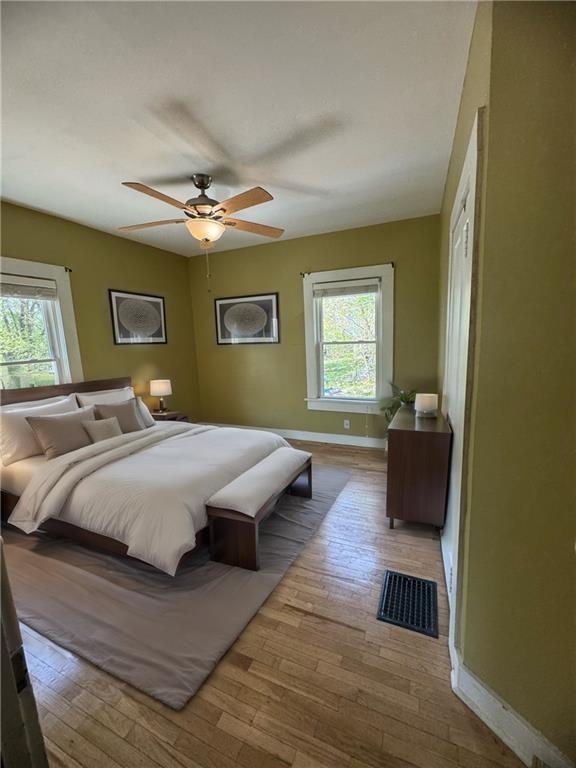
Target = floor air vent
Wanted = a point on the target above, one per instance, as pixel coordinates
(409, 602)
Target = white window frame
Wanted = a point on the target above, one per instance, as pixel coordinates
(384, 273)
(61, 320)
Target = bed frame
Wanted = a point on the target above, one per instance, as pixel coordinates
(228, 539)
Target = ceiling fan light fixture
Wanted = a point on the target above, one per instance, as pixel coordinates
(205, 230)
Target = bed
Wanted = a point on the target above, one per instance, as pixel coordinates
(145, 494)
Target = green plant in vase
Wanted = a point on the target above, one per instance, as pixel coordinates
(399, 397)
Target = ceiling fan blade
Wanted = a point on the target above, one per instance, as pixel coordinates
(280, 183)
(152, 224)
(257, 229)
(254, 196)
(302, 138)
(162, 181)
(154, 193)
(180, 120)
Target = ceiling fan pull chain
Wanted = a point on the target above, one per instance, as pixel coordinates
(205, 248)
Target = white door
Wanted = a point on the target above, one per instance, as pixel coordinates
(454, 395)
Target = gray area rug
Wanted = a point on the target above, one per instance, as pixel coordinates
(162, 635)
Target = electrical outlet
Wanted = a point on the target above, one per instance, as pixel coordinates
(346, 423)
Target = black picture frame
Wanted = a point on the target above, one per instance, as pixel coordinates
(121, 333)
(270, 332)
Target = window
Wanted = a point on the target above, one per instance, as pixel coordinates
(35, 346)
(348, 316)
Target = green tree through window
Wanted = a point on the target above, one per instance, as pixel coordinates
(27, 359)
(348, 325)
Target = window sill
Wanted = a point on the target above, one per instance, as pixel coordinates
(342, 405)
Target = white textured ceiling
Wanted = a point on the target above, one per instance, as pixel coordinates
(344, 111)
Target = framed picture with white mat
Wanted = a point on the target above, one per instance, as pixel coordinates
(247, 319)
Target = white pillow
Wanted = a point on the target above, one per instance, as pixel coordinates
(105, 397)
(112, 396)
(32, 403)
(147, 417)
(17, 439)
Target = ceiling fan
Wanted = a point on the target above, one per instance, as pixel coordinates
(207, 219)
(180, 128)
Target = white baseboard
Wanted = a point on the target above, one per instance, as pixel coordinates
(318, 437)
(522, 738)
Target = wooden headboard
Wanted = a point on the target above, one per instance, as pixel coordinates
(10, 396)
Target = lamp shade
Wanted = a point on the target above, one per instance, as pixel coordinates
(205, 230)
(160, 387)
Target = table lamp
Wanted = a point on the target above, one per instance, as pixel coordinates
(160, 388)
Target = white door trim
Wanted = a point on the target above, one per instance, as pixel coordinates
(497, 714)
(468, 197)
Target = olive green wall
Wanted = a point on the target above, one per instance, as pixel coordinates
(266, 385)
(518, 632)
(100, 261)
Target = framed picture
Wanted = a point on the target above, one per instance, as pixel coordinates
(137, 318)
(248, 319)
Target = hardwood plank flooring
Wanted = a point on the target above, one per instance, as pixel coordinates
(314, 681)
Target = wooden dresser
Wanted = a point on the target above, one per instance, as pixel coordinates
(418, 468)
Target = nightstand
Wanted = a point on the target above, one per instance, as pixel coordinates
(169, 416)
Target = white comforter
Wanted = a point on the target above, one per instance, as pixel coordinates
(145, 489)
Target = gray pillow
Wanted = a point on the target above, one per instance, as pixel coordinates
(62, 433)
(127, 413)
(103, 429)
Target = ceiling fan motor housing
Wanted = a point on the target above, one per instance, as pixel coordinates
(202, 181)
(198, 203)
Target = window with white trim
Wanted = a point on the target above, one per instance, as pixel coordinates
(34, 343)
(349, 338)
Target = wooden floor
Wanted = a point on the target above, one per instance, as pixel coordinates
(314, 681)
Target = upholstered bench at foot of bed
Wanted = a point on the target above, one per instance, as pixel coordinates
(236, 511)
